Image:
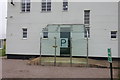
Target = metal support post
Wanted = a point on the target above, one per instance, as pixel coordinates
(71, 52)
(55, 52)
(40, 49)
(111, 73)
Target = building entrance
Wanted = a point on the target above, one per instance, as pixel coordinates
(65, 41)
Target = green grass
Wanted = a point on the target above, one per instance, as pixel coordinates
(3, 51)
(64, 60)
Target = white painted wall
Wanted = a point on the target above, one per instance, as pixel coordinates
(119, 28)
(3, 15)
(104, 18)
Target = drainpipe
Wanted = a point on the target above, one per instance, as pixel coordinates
(87, 46)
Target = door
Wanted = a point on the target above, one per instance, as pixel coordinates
(65, 41)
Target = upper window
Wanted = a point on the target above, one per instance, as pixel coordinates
(25, 6)
(46, 5)
(87, 17)
(65, 5)
(24, 33)
(113, 34)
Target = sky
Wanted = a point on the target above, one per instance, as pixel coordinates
(3, 13)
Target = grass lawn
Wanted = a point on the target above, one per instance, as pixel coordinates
(3, 51)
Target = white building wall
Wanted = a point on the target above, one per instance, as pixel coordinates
(103, 19)
(119, 28)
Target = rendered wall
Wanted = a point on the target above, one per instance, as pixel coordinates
(103, 19)
(119, 29)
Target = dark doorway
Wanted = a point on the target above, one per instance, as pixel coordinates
(65, 33)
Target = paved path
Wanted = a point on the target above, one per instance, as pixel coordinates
(12, 68)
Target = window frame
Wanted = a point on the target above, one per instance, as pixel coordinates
(85, 32)
(25, 5)
(114, 34)
(24, 33)
(45, 36)
(87, 17)
(65, 5)
(44, 31)
(46, 6)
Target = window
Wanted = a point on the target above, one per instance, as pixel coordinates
(46, 5)
(1, 44)
(87, 17)
(113, 34)
(65, 5)
(25, 6)
(24, 33)
(87, 31)
(45, 32)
